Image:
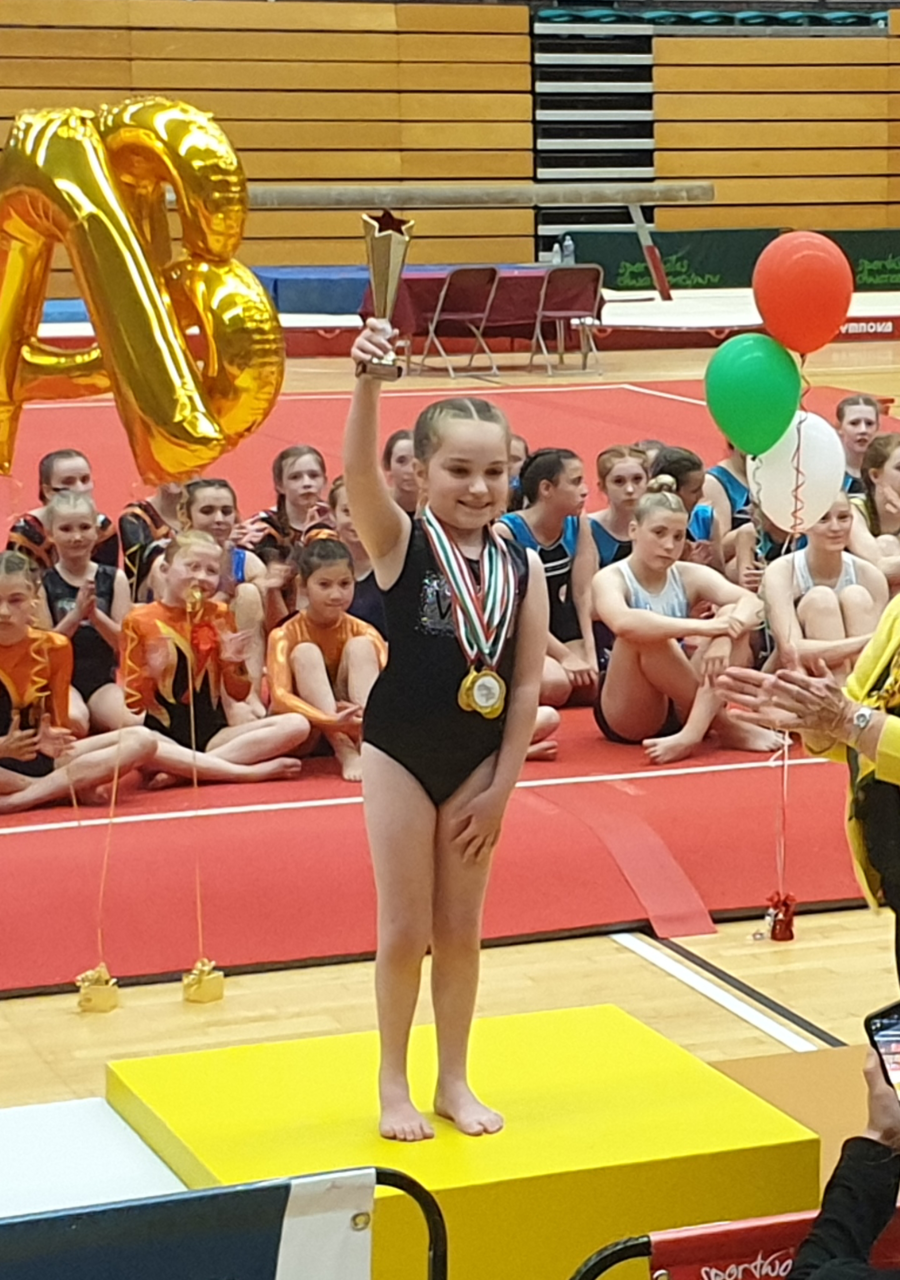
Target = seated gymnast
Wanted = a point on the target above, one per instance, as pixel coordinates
(63, 469)
(184, 670)
(367, 602)
(728, 493)
(858, 420)
(85, 602)
(518, 452)
(298, 474)
(622, 475)
(399, 467)
(144, 524)
(323, 662)
(875, 535)
(551, 523)
(40, 759)
(822, 602)
(704, 533)
(251, 589)
(651, 692)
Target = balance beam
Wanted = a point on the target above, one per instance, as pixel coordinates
(517, 195)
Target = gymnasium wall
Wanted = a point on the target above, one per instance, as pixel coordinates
(795, 132)
(307, 92)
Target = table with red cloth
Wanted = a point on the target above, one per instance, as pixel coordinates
(513, 311)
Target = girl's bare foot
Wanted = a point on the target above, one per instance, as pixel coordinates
(457, 1102)
(678, 746)
(546, 750)
(748, 737)
(400, 1120)
(347, 753)
(281, 767)
(161, 781)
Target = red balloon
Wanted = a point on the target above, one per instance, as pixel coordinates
(803, 283)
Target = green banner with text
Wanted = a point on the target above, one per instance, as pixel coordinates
(725, 259)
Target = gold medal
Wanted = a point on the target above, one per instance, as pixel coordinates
(484, 692)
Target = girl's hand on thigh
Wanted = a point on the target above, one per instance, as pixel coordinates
(474, 828)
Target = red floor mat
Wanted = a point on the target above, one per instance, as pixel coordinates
(286, 877)
(594, 840)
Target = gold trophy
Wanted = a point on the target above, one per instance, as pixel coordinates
(387, 244)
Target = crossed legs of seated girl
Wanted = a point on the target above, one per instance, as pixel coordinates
(184, 668)
(652, 693)
(323, 662)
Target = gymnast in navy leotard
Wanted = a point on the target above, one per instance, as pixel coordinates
(85, 602)
(553, 487)
(447, 724)
(367, 602)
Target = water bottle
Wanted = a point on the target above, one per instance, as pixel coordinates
(568, 251)
(556, 256)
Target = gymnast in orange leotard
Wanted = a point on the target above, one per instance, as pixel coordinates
(40, 760)
(323, 662)
(183, 668)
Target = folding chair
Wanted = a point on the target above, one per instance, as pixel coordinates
(283, 1230)
(756, 1247)
(464, 304)
(570, 295)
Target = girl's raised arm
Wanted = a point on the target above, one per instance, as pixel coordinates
(383, 526)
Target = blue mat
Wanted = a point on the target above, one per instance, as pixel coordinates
(303, 291)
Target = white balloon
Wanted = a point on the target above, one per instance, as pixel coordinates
(796, 492)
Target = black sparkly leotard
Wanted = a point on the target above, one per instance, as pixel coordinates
(95, 660)
(412, 714)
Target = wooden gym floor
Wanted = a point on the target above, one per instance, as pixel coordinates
(725, 997)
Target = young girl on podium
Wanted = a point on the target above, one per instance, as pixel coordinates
(448, 721)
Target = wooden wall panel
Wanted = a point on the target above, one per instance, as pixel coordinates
(770, 106)
(793, 51)
(322, 92)
(790, 217)
(817, 134)
(794, 132)
(778, 79)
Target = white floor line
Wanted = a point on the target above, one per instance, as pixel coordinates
(663, 395)
(451, 389)
(703, 986)
(176, 815)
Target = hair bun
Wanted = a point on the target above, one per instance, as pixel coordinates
(662, 484)
(319, 534)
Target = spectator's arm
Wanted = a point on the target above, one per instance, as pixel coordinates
(861, 1195)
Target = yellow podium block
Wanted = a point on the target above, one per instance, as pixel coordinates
(611, 1130)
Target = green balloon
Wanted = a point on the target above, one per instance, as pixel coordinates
(753, 391)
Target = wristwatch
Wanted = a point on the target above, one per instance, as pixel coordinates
(862, 718)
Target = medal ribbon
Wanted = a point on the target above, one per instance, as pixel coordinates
(482, 614)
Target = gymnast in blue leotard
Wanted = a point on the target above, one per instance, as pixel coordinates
(447, 723)
(703, 544)
(726, 490)
(622, 475)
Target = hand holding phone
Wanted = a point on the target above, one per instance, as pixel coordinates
(883, 1031)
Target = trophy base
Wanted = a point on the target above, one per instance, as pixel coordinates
(385, 370)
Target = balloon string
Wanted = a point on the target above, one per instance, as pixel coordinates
(198, 893)
(781, 838)
(107, 850)
(798, 504)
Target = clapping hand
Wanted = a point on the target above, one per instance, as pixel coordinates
(17, 743)
(53, 740)
(234, 646)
